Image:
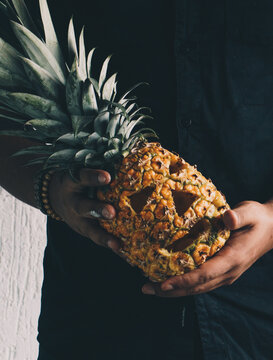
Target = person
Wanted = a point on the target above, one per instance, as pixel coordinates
(210, 65)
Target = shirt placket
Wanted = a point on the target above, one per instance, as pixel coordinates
(187, 54)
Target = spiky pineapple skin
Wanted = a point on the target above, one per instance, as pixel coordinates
(159, 238)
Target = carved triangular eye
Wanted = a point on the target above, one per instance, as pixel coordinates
(183, 201)
(140, 199)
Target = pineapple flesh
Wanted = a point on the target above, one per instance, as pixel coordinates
(169, 216)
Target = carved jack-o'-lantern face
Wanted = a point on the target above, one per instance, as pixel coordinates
(168, 213)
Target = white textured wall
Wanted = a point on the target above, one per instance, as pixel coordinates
(22, 242)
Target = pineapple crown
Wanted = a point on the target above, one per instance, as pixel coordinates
(75, 118)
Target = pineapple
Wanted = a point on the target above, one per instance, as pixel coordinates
(169, 216)
(168, 213)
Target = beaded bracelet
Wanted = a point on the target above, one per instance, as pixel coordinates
(41, 185)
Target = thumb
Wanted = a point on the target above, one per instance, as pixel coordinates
(243, 214)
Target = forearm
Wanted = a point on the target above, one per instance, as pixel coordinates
(14, 177)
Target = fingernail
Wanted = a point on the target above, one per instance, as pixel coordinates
(231, 219)
(101, 179)
(148, 290)
(95, 214)
(112, 244)
(166, 287)
(106, 213)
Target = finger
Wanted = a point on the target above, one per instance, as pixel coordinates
(203, 285)
(90, 208)
(214, 269)
(152, 289)
(223, 269)
(244, 214)
(91, 177)
(90, 229)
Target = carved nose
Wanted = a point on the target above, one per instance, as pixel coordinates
(183, 201)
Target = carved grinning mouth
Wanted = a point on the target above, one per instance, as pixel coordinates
(200, 231)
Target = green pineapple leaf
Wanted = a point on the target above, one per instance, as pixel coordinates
(132, 89)
(62, 156)
(33, 135)
(90, 158)
(79, 122)
(126, 118)
(109, 88)
(46, 150)
(72, 42)
(101, 121)
(36, 161)
(103, 72)
(89, 100)
(96, 85)
(5, 108)
(33, 106)
(24, 16)
(13, 118)
(65, 107)
(89, 62)
(114, 143)
(92, 139)
(142, 134)
(8, 111)
(131, 126)
(71, 140)
(74, 90)
(112, 126)
(50, 128)
(127, 128)
(102, 145)
(38, 51)
(82, 56)
(10, 60)
(81, 155)
(12, 81)
(111, 154)
(8, 10)
(50, 35)
(138, 110)
(129, 144)
(3, 7)
(45, 84)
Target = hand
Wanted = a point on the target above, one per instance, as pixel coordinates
(252, 237)
(70, 201)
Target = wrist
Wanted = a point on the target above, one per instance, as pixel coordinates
(42, 185)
